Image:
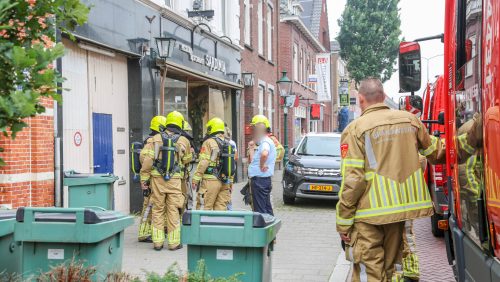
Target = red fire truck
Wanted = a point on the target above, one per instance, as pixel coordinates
(472, 133)
(434, 99)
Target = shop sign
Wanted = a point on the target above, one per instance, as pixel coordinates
(344, 100)
(300, 112)
(212, 63)
(323, 73)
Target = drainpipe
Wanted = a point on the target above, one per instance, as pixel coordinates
(58, 129)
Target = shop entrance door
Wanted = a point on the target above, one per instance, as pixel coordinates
(102, 143)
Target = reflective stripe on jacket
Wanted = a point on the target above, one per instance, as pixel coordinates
(382, 177)
(208, 157)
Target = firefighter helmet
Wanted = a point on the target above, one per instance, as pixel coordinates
(187, 126)
(260, 119)
(175, 118)
(158, 123)
(215, 125)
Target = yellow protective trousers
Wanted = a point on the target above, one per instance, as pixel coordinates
(213, 195)
(146, 215)
(374, 250)
(167, 197)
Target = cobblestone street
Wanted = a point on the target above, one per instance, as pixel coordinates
(307, 244)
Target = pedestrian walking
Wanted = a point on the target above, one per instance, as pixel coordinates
(261, 169)
(383, 186)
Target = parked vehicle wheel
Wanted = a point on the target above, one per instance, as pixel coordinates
(288, 200)
(434, 222)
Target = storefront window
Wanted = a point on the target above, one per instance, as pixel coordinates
(176, 98)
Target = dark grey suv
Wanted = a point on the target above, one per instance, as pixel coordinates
(314, 169)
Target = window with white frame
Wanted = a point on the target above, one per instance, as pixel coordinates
(270, 106)
(260, 27)
(270, 28)
(248, 21)
(169, 3)
(261, 99)
(295, 62)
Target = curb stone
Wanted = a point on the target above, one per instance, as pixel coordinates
(342, 269)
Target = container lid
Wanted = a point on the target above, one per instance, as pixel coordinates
(259, 220)
(7, 214)
(72, 178)
(90, 216)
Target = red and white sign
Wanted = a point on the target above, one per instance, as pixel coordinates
(77, 139)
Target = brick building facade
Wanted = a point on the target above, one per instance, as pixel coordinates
(259, 24)
(27, 179)
(303, 34)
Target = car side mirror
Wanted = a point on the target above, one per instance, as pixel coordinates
(293, 151)
(441, 118)
(412, 104)
(410, 72)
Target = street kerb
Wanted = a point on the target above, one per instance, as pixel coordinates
(342, 269)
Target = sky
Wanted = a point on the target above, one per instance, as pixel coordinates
(419, 19)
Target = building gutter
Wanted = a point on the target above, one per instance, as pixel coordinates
(295, 20)
(80, 38)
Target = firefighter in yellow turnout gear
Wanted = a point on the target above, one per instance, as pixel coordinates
(383, 185)
(166, 178)
(212, 193)
(157, 125)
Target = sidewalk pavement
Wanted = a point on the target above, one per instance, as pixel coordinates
(307, 245)
(432, 254)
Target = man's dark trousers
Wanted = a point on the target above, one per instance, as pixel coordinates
(261, 194)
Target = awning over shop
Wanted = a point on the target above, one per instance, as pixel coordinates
(199, 75)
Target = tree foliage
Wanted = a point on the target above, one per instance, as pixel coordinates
(369, 38)
(28, 53)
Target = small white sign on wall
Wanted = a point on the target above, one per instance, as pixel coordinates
(55, 254)
(224, 254)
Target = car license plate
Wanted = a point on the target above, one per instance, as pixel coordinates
(324, 188)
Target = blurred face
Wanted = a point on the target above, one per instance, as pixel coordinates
(259, 131)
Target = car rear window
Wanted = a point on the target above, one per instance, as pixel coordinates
(320, 146)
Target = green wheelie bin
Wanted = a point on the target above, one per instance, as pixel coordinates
(86, 190)
(231, 242)
(55, 236)
(10, 250)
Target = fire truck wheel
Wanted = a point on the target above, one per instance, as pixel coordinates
(434, 222)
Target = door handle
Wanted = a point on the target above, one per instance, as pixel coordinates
(97, 166)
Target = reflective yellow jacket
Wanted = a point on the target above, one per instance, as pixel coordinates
(209, 157)
(383, 180)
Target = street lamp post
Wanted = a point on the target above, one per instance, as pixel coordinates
(427, 61)
(285, 90)
(165, 47)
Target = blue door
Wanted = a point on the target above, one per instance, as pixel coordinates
(103, 143)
